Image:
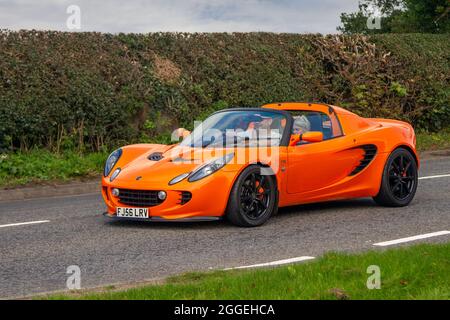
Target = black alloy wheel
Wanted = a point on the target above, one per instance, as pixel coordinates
(253, 199)
(400, 178)
(255, 195)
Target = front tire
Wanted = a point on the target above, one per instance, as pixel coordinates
(253, 199)
(400, 178)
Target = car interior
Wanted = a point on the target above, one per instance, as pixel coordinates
(305, 121)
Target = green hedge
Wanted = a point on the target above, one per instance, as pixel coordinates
(88, 91)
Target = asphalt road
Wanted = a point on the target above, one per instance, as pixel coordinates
(34, 257)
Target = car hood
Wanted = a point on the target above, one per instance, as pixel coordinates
(169, 163)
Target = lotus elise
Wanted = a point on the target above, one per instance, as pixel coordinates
(245, 163)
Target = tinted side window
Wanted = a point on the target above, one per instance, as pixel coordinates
(305, 121)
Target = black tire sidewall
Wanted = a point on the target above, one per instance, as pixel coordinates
(234, 210)
(392, 200)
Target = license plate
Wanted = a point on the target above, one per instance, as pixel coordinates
(132, 212)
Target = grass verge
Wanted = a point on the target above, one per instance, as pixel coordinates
(40, 166)
(430, 141)
(418, 272)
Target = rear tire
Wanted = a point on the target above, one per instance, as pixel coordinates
(253, 199)
(400, 178)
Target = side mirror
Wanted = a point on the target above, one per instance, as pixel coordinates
(180, 133)
(312, 136)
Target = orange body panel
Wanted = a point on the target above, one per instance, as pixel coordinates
(314, 172)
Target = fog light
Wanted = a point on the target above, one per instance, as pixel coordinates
(115, 192)
(162, 195)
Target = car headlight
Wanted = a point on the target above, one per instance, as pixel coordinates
(179, 178)
(210, 167)
(115, 174)
(111, 161)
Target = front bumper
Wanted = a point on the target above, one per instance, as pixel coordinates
(209, 198)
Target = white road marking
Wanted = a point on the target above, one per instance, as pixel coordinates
(274, 263)
(23, 223)
(413, 238)
(434, 177)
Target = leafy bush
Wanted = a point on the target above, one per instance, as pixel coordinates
(90, 91)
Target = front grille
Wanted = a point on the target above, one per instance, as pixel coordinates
(139, 198)
(185, 197)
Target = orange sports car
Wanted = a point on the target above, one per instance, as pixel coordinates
(245, 163)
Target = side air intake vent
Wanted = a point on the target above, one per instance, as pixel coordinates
(370, 151)
(155, 156)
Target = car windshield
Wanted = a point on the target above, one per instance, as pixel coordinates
(238, 128)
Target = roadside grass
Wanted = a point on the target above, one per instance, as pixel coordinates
(429, 141)
(40, 166)
(417, 272)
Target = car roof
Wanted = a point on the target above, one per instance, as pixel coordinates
(321, 107)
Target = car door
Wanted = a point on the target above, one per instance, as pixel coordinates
(316, 165)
